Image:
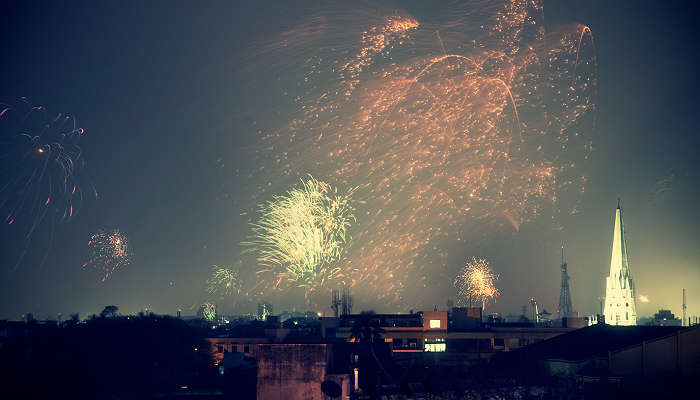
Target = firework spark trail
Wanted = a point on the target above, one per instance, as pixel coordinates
(109, 251)
(41, 164)
(300, 236)
(476, 282)
(223, 282)
(490, 130)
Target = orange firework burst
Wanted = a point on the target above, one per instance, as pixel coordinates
(108, 252)
(476, 282)
(482, 125)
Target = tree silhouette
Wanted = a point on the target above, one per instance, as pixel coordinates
(367, 331)
(109, 312)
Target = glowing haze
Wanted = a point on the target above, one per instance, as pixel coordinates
(448, 130)
(454, 129)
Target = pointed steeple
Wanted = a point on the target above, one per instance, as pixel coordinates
(620, 307)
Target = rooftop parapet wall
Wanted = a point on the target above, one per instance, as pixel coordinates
(291, 371)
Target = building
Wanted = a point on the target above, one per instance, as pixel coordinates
(676, 353)
(459, 332)
(665, 318)
(304, 371)
(333, 358)
(620, 307)
(604, 361)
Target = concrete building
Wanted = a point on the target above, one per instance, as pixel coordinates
(620, 306)
(460, 331)
(663, 318)
(289, 365)
(677, 353)
(299, 371)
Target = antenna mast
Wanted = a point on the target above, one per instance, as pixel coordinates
(684, 308)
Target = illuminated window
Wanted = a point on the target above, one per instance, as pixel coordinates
(434, 324)
(435, 347)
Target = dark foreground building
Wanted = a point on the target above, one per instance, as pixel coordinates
(604, 361)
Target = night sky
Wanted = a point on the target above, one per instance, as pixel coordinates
(186, 109)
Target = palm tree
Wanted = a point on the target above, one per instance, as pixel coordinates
(367, 331)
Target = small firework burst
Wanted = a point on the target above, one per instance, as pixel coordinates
(643, 298)
(223, 282)
(300, 236)
(476, 282)
(108, 252)
(209, 311)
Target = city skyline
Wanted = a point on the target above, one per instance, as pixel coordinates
(187, 117)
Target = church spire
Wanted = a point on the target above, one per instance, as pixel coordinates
(620, 307)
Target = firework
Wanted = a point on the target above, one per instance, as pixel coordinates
(476, 282)
(109, 251)
(208, 310)
(223, 282)
(40, 168)
(644, 298)
(472, 121)
(300, 236)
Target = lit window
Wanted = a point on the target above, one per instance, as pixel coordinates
(435, 347)
(434, 324)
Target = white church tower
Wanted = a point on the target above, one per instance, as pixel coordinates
(620, 307)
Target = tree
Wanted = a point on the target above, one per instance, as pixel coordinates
(109, 312)
(73, 320)
(367, 331)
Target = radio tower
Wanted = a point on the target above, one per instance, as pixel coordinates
(684, 308)
(346, 302)
(335, 302)
(565, 309)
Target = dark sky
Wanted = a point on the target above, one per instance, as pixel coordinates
(172, 95)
